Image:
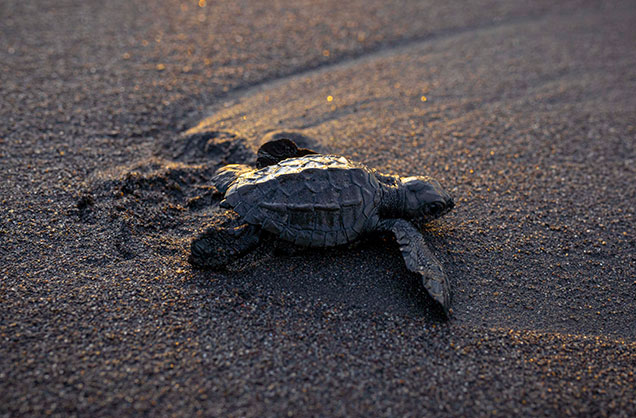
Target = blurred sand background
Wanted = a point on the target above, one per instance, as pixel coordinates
(113, 116)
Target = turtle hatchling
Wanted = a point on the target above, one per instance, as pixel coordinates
(319, 200)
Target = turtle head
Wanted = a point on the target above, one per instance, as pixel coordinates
(424, 199)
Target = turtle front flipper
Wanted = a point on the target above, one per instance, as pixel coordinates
(419, 259)
(225, 240)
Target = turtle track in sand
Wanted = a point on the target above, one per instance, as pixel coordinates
(157, 203)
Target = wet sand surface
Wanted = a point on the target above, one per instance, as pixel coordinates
(114, 117)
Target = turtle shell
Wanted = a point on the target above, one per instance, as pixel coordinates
(315, 200)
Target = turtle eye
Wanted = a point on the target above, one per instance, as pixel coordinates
(436, 208)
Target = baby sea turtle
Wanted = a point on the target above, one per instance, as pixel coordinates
(317, 200)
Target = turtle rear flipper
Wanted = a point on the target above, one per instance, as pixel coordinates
(275, 151)
(226, 175)
(269, 153)
(223, 242)
(419, 259)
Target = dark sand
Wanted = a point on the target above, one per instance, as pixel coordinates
(113, 115)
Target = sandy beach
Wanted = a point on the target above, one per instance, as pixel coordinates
(114, 116)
